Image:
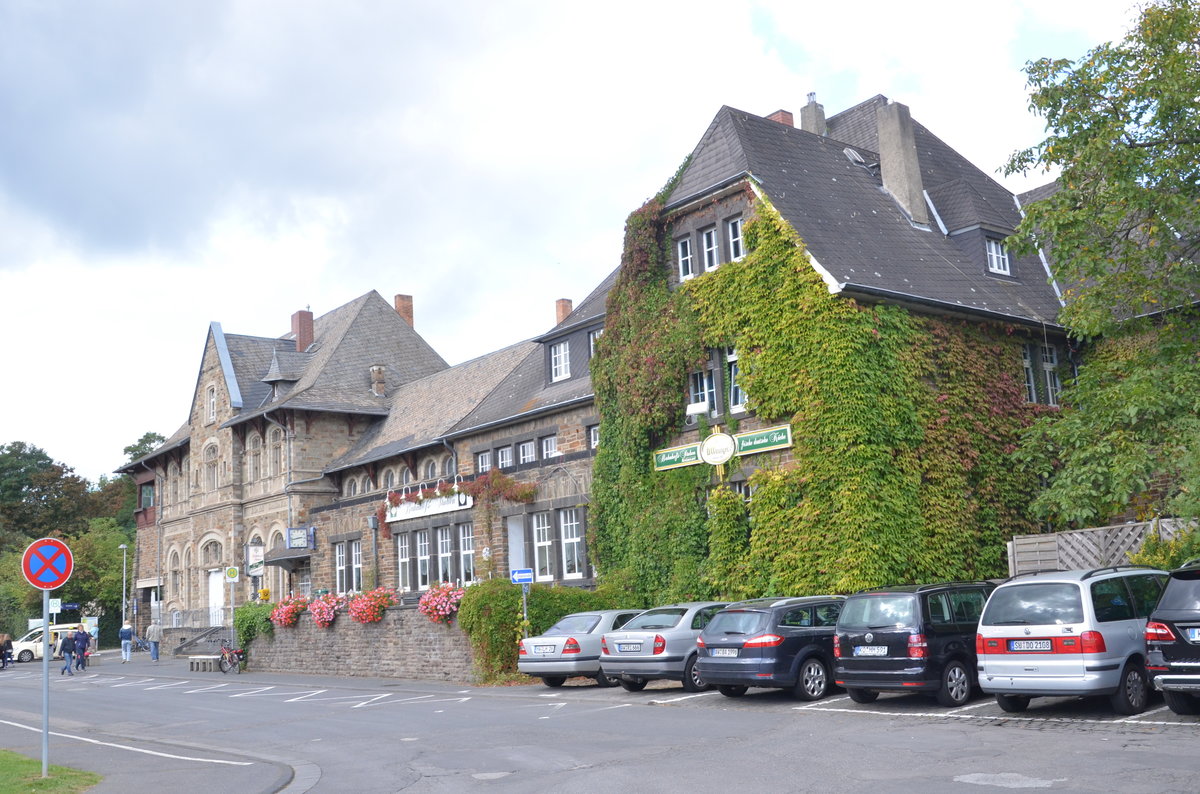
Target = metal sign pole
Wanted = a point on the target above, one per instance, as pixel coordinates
(46, 653)
(525, 609)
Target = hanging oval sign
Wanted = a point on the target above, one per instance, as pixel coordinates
(717, 449)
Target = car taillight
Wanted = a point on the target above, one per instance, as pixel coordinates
(979, 649)
(837, 647)
(521, 646)
(660, 644)
(917, 647)
(1092, 642)
(1159, 632)
(603, 647)
(571, 646)
(700, 642)
(764, 641)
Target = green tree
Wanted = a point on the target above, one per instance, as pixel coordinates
(38, 497)
(1124, 128)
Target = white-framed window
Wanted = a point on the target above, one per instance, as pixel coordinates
(1050, 370)
(687, 267)
(593, 337)
(445, 554)
(997, 257)
(406, 476)
(711, 248)
(389, 479)
(736, 249)
(543, 546)
(504, 458)
(594, 436)
(466, 552)
(550, 447)
(526, 452)
(737, 397)
(339, 567)
(356, 565)
(1030, 377)
(701, 389)
(210, 401)
(351, 486)
(572, 543)
(404, 582)
(431, 470)
(483, 462)
(743, 489)
(560, 360)
(448, 466)
(423, 559)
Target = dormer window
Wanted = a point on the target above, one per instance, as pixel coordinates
(560, 361)
(997, 258)
(687, 267)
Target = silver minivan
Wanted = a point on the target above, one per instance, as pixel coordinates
(1064, 633)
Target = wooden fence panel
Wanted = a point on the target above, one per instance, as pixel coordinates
(1084, 548)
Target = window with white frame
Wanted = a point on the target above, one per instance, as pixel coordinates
(431, 470)
(406, 476)
(351, 487)
(483, 462)
(504, 457)
(701, 389)
(550, 447)
(737, 397)
(593, 337)
(543, 546)
(339, 567)
(356, 565)
(466, 552)
(711, 246)
(997, 257)
(445, 555)
(1050, 368)
(687, 267)
(404, 582)
(594, 436)
(1030, 377)
(560, 361)
(572, 543)
(734, 229)
(526, 452)
(448, 466)
(742, 488)
(210, 400)
(389, 479)
(423, 560)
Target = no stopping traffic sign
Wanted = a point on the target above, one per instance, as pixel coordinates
(47, 563)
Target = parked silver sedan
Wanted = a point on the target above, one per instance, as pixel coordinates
(571, 647)
(658, 643)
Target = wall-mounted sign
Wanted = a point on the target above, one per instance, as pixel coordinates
(674, 457)
(254, 559)
(717, 449)
(301, 537)
(429, 507)
(763, 440)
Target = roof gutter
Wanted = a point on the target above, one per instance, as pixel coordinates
(707, 192)
(954, 308)
(518, 417)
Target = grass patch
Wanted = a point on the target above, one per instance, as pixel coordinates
(19, 774)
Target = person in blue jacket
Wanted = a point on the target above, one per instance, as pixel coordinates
(126, 635)
(67, 649)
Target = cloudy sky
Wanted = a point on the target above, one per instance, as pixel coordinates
(165, 165)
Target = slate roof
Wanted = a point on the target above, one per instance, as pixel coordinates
(594, 306)
(425, 409)
(852, 227)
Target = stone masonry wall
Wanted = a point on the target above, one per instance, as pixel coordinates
(405, 644)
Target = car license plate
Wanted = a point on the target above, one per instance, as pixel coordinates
(870, 650)
(629, 647)
(1029, 645)
(543, 649)
(1193, 635)
(724, 651)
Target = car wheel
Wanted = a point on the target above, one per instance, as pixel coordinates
(862, 695)
(813, 681)
(692, 682)
(554, 680)
(1013, 704)
(633, 684)
(606, 680)
(1182, 703)
(25, 656)
(1132, 693)
(956, 685)
(731, 691)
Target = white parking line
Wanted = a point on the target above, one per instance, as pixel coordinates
(972, 706)
(1139, 717)
(684, 697)
(1007, 717)
(130, 749)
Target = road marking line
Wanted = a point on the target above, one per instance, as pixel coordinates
(254, 692)
(1138, 717)
(134, 683)
(206, 688)
(129, 748)
(684, 697)
(968, 708)
(1009, 717)
(164, 686)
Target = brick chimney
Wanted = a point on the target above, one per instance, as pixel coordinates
(812, 116)
(782, 117)
(898, 164)
(302, 329)
(404, 308)
(562, 308)
(378, 381)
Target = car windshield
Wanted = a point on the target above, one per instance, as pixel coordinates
(1183, 591)
(735, 621)
(1036, 604)
(655, 619)
(878, 611)
(574, 624)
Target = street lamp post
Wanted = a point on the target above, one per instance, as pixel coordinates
(124, 556)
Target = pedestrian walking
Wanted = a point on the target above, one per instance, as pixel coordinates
(67, 649)
(5, 651)
(154, 637)
(126, 635)
(82, 641)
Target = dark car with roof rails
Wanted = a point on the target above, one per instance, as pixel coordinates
(910, 638)
(1173, 640)
(782, 643)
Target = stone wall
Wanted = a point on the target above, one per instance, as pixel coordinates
(405, 644)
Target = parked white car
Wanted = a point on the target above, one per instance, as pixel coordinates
(571, 647)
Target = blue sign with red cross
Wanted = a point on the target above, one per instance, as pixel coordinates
(47, 563)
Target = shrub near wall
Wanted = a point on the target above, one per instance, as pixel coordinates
(404, 644)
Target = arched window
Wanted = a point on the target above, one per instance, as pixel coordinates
(389, 479)
(173, 478)
(176, 576)
(187, 477)
(406, 476)
(275, 453)
(448, 466)
(254, 458)
(211, 553)
(210, 467)
(351, 486)
(431, 469)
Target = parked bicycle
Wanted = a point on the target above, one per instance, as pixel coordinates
(231, 658)
(139, 644)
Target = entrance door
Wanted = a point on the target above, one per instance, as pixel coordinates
(216, 598)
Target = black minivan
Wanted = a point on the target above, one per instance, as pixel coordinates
(910, 638)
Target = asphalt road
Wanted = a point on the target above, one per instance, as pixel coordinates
(158, 727)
